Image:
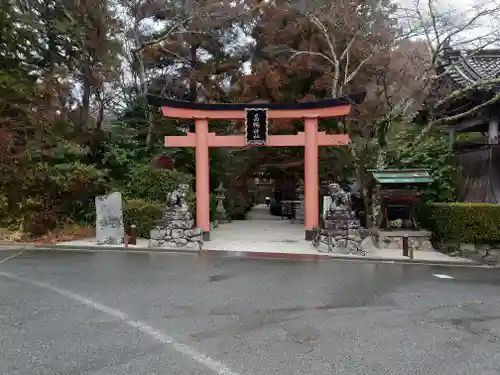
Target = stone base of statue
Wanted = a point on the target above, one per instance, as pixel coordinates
(393, 239)
(176, 231)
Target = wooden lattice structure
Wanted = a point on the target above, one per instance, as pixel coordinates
(480, 174)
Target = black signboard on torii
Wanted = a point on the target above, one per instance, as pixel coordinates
(256, 126)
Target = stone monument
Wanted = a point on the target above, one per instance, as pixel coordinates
(109, 219)
(176, 228)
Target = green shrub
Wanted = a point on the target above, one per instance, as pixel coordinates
(463, 222)
(143, 214)
(191, 202)
(44, 196)
(239, 207)
(229, 206)
(146, 182)
(432, 152)
(6, 220)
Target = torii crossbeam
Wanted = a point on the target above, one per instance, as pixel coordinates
(310, 139)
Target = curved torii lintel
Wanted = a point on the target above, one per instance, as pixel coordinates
(320, 109)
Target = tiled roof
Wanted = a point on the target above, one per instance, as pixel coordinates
(469, 67)
(464, 68)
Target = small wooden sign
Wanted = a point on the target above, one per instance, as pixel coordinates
(256, 126)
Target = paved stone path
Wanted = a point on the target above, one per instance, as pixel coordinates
(261, 212)
(261, 232)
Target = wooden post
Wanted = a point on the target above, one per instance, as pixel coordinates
(133, 235)
(405, 245)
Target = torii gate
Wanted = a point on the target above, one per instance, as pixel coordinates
(310, 139)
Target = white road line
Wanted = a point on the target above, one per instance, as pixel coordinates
(214, 365)
(11, 257)
(441, 276)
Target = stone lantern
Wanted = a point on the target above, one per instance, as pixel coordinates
(220, 211)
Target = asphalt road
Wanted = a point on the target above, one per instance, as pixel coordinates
(65, 313)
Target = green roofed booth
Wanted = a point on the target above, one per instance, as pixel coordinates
(399, 191)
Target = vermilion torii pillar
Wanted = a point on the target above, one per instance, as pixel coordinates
(202, 140)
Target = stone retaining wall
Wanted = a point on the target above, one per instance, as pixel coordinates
(176, 230)
(482, 253)
(418, 240)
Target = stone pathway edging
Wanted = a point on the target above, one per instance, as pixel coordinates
(115, 248)
(4, 246)
(412, 261)
(254, 255)
(350, 258)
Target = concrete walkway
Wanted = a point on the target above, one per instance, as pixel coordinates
(261, 232)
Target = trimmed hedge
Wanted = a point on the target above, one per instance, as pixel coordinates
(143, 214)
(463, 222)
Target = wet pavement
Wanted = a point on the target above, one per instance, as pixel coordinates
(121, 313)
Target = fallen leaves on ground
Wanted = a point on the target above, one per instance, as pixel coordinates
(66, 233)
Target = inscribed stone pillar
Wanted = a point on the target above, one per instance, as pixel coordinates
(109, 219)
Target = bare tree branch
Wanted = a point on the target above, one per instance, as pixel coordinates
(462, 92)
(345, 54)
(360, 66)
(459, 116)
(434, 22)
(166, 35)
(311, 53)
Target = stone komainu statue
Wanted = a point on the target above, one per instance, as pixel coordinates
(339, 198)
(177, 198)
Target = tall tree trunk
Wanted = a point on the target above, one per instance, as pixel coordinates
(84, 112)
(100, 114)
(193, 59)
(193, 90)
(143, 85)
